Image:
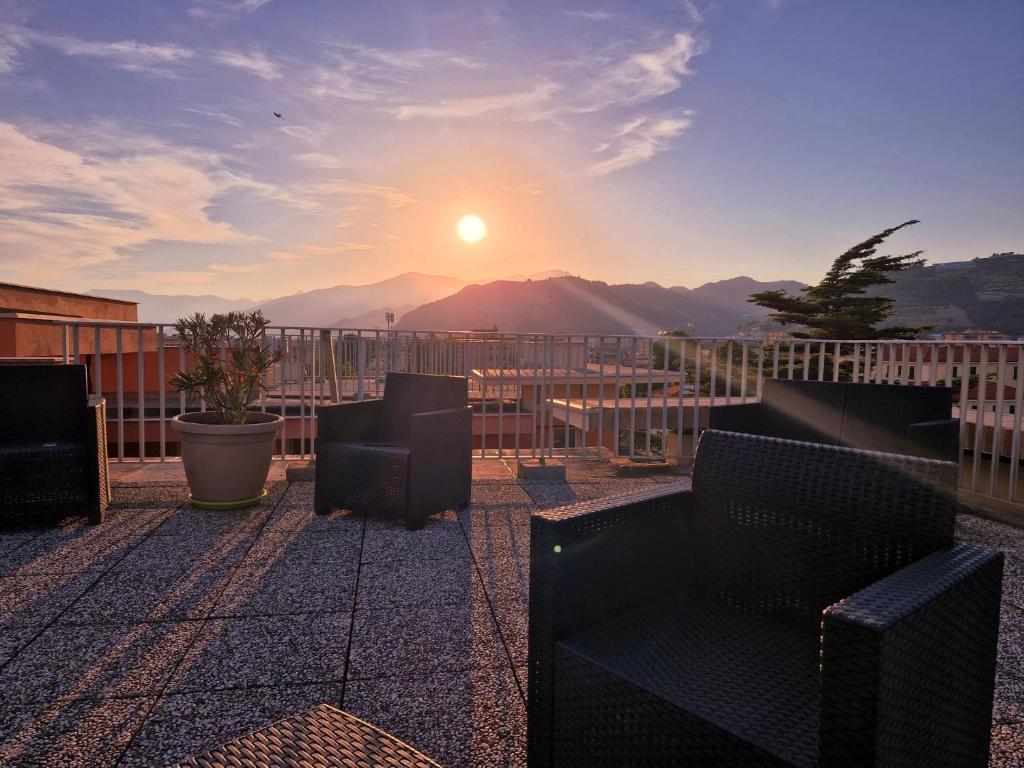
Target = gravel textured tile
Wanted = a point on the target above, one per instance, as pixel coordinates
(290, 587)
(33, 600)
(148, 496)
(221, 548)
(470, 718)
(184, 725)
(272, 650)
(300, 516)
(13, 640)
(499, 533)
(11, 541)
(153, 591)
(501, 494)
(210, 523)
(76, 548)
(548, 494)
(303, 548)
(71, 734)
(431, 582)
(96, 661)
(437, 540)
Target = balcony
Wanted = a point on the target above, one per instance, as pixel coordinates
(167, 630)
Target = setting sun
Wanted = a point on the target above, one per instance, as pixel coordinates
(471, 228)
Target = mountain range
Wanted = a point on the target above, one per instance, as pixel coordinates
(986, 293)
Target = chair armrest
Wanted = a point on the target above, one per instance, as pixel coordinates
(590, 561)
(96, 426)
(348, 422)
(908, 664)
(939, 439)
(735, 418)
(440, 461)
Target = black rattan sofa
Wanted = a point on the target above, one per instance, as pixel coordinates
(408, 455)
(53, 445)
(803, 605)
(877, 417)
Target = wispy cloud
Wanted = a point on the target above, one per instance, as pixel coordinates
(235, 269)
(410, 58)
(213, 114)
(65, 209)
(591, 15)
(388, 197)
(220, 10)
(528, 104)
(307, 252)
(8, 56)
(300, 132)
(637, 142)
(131, 55)
(254, 61)
(322, 160)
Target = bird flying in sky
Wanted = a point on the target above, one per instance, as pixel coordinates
(279, 115)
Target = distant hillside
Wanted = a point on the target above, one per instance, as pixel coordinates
(985, 293)
(157, 308)
(323, 306)
(372, 319)
(575, 305)
(732, 295)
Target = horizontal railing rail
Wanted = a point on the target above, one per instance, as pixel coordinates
(637, 398)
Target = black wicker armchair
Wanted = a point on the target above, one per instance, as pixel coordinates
(53, 445)
(408, 455)
(877, 417)
(803, 605)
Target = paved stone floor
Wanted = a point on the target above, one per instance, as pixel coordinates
(168, 630)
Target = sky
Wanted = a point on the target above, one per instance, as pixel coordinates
(677, 141)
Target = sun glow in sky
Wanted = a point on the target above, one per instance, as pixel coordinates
(679, 141)
(471, 228)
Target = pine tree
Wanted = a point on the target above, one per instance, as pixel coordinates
(837, 307)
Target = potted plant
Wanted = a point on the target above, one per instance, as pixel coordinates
(226, 448)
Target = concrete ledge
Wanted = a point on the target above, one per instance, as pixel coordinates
(534, 470)
(300, 470)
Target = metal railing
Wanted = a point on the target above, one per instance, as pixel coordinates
(644, 398)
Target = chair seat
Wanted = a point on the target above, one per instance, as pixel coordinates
(743, 673)
(374, 476)
(43, 474)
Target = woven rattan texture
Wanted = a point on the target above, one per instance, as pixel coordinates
(324, 737)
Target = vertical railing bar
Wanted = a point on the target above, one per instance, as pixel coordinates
(1016, 437)
(759, 378)
(281, 379)
(141, 394)
(517, 360)
(501, 398)
(97, 362)
(728, 372)
(584, 416)
(965, 355)
(119, 373)
(632, 413)
(979, 421)
(483, 399)
(697, 354)
(807, 360)
(836, 359)
(650, 395)
(776, 350)
(618, 392)
(915, 365)
(997, 419)
(855, 368)
(713, 391)
(600, 394)
(680, 423)
(744, 363)
(161, 389)
(792, 353)
(666, 357)
(302, 393)
(64, 343)
(75, 342)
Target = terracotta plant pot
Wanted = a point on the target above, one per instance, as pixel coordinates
(226, 464)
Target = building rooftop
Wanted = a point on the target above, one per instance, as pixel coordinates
(167, 630)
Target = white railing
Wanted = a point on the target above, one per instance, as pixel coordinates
(637, 397)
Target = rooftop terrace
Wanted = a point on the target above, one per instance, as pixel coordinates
(168, 630)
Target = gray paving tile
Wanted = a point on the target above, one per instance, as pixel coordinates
(290, 586)
(11, 541)
(159, 590)
(430, 582)
(437, 540)
(77, 548)
(422, 641)
(196, 523)
(38, 599)
(183, 725)
(210, 548)
(270, 650)
(300, 516)
(498, 533)
(470, 718)
(70, 734)
(147, 496)
(13, 640)
(300, 548)
(95, 661)
(498, 494)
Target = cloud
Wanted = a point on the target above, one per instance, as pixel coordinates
(235, 269)
(213, 114)
(693, 12)
(129, 55)
(219, 10)
(300, 132)
(255, 62)
(410, 59)
(8, 56)
(389, 197)
(321, 160)
(527, 104)
(307, 252)
(591, 15)
(63, 208)
(637, 142)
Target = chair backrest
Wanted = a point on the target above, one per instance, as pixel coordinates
(409, 393)
(42, 403)
(789, 528)
(877, 415)
(811, 411)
